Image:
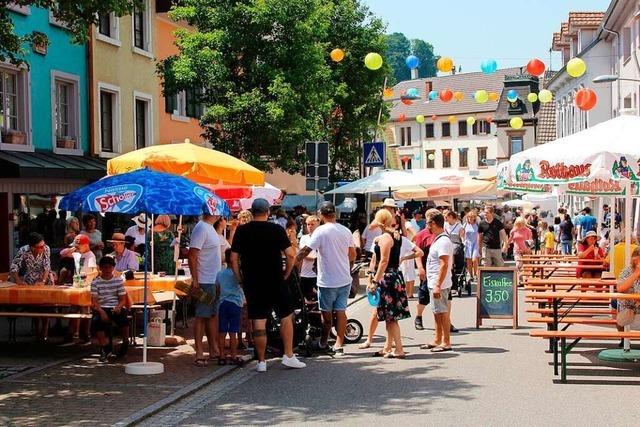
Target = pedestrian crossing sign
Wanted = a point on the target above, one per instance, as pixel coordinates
(374, 154)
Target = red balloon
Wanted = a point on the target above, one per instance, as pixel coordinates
(401, 118)
(407, 101)
(434, 117)
(586, 99)
(446, 95)
(489, 119)
(405, 159)
(535, 67)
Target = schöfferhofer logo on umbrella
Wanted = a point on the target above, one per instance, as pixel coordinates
(208, 199)
(118, 198)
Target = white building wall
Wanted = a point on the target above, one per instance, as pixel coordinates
(626, 68)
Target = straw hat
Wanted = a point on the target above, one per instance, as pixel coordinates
(117, 238)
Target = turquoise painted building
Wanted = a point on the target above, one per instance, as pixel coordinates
(51, 107)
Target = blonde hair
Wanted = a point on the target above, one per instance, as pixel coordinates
(519, 222)
(245, 217)
(313, 218)
(384, 218)
(164, 220)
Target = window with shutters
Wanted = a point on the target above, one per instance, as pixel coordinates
(405, 136)
(185, 104)
(463, 157)
(143, 122)
(482, 157)
(430, 159)
(109, 28)
(141, 29)
(15, 123)
(446, 158)
(109, 119)
(481, 127)
(65, 97)
(462, 128)
(429, 130)
(446, 129)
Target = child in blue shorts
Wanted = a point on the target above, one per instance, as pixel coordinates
(229, 312)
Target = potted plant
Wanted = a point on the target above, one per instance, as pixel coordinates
(13, 136)
(40, 42)
(66, 142)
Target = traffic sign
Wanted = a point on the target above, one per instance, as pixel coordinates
(374, 154)
(316, 170)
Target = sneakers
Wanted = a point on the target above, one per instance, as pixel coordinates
(338, 351)
(453, 329)
(104, 355)
(291, 362)
(418, 323)
(262, 366)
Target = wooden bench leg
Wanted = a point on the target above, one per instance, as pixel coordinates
(563, 376)
(554, 343)
(12, 329)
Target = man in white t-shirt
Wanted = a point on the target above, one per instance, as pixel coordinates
(438, 271)
(336, 253)
(308, 274)
(205, 261)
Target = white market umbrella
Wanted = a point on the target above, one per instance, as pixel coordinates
(451, 189)
(390, 180)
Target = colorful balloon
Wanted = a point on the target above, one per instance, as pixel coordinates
(512, 95)
(471, 121)
(406, 101)
(413, 92)
(417, 157)
(433, 95)
(402, 118)
(434, 117)
(535, 67)
(337, 55)
(405, 159)
(412, 61)
(420, 118)
(446, 95)
(452, 119)
(532, 97)
(458, 96)
(545, 96)
(493, 96)
(489, 119)
(481, 96)
(388, 92)
(489, 66)
(586, 99)
(516, 122)
(431, 156)
(373, 61)
(576, 67)
(445, 64)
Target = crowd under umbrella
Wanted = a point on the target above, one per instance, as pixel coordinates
(149, 192)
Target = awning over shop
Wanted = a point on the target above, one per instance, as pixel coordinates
(18, 164)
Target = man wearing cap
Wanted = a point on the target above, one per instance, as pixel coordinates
(256, 260)
(137, 230)
(125, 259)
(334, 245)
(205, 261)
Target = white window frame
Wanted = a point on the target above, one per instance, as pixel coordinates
(148, 119)
(24, 10)
(24, 87)
(116, 120)
(74, 81)
(148, 50)
(180, 112)
(114, 24)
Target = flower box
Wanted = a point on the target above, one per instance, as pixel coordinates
(14, 137)
(66, 143)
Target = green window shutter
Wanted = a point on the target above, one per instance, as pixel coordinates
(170, 103)
(191, 102)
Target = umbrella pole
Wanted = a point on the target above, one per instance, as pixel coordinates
(151, 244)
(176, 258)
(627, 243)
(612, 225)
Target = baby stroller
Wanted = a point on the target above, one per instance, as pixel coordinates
(459, 270)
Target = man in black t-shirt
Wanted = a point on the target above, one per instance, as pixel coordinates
(491, 235)
(256, 260)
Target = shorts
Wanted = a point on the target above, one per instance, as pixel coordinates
(120, 319)
(207, 310)
(229, 315)
(333, 299)
(309, 287)
(440, 305)
(423, 293)
(492, 257)
(264, 298)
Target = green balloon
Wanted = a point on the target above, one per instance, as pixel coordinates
(373, 61)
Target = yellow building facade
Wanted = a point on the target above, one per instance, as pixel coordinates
(124, 86)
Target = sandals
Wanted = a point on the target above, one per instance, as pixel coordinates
(364, 345)
(395, 356)
(428, 346)
(379, 353)
(201, 363)
(440, 349)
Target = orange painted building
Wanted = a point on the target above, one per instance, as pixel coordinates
(179, 114)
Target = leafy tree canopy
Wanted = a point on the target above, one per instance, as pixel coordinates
(399, 47)
(77, 16)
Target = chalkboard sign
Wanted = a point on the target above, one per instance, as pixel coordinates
(497, 294)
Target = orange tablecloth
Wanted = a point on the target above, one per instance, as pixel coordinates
(44, 295)
(156, 284)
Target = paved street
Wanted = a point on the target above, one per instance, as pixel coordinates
(496, 376)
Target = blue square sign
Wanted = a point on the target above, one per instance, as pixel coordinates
(374, 154)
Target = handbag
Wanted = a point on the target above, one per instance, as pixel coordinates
(424, 289)
(625, 317)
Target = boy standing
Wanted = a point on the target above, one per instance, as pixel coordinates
(108, 301)
(229, 312)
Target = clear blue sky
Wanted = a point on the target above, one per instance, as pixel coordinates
(470, 31)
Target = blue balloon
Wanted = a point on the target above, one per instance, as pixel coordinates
(412, 61)
(489, 66)
(512, 95)
(413, 92)
(433, 95)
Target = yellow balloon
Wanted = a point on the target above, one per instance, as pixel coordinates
(452, 119)
(481, 96)
(516, 122)
(545, 96)
(373, 61)
(493, 96)
(337, 55)
(388, 92)
(576, 67)
(420, 118)
(532, 97)
(458, 96)
(431, 156)
(471, 121)
(445, 64)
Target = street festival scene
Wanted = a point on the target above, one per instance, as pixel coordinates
(310, 212)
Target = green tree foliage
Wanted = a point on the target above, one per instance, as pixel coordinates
(399, 47)
(77, 16)
(269, 84)
(424, 52)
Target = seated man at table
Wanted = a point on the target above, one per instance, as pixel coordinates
(32, 266)
(126, 260)
(108, 301)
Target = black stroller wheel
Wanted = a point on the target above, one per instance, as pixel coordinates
(354, 331)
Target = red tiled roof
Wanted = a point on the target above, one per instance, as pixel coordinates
(585, 19)
(466, 83)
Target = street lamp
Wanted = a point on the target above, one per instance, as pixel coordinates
(610, 78)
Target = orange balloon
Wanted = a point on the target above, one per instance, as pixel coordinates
(586, 99)
(452, 119)
(405, 159)
(337, 55)
(434, 117)
(388, 92)
(535, 67)
(446, 95)
(493, 96)
(489, 119)
(401, 118)
(458, 96)
(407, 101)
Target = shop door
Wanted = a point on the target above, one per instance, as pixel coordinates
(4, 233)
